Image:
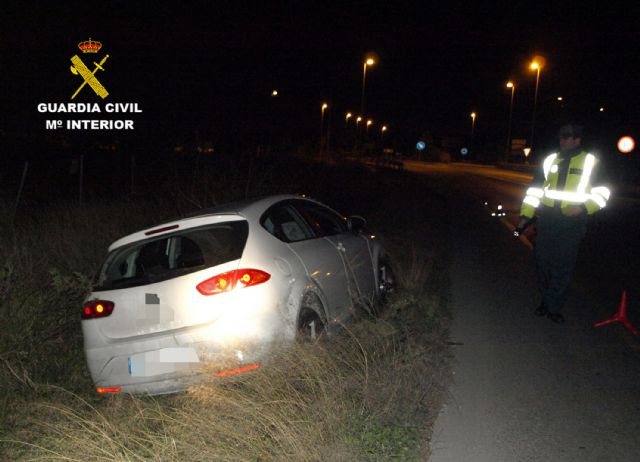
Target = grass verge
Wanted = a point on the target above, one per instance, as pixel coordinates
(369, 394)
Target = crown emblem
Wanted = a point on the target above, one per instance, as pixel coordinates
(90, 46)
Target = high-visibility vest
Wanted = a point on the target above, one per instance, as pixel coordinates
(576, 190)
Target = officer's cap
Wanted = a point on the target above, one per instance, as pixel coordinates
(570, 131)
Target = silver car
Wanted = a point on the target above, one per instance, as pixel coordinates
(211, 294)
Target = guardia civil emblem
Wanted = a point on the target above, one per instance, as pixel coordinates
(89, 77)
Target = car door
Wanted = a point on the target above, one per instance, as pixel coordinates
(322, 261)
(353, 248)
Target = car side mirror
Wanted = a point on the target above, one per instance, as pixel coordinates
(356, 224)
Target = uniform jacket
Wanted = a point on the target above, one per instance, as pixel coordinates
(567, 179)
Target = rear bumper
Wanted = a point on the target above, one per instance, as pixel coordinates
(148, 372)
(172, 362)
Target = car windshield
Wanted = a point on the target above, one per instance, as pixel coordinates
(172, 255)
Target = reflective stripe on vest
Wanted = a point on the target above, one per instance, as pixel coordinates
(600, 195)
(547, 164)
(535, 192)
(579, 196)
(576, 187)
(533, 197)
(532, 201)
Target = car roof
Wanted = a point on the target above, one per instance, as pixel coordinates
(245, 206)
(248, 209)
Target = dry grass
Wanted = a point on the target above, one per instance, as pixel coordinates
(370, 393)
(363, 396)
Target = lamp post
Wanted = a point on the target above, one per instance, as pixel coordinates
(369, 123)
(322, 109)
(473, 125)
(347, 117)
(508, 149)
(536, 66)
(367, 62)
(356, 135)
(382, 130)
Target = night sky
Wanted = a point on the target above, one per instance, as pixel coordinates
(206, 69)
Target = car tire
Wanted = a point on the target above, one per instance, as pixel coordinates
(386, 279)
(311, 325)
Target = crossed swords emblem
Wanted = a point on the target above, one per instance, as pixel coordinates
(89, 77)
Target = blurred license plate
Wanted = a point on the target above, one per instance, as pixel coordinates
(162, 361)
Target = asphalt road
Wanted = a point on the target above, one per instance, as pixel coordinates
(524, 388)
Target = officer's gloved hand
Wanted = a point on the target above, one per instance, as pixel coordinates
(522, 224)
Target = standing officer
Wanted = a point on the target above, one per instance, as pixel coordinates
(563, 193)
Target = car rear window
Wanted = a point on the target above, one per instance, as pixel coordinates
(169, 256)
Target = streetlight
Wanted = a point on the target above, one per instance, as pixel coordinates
(369, 122)
(274, 93)
(358, 120)
(347, 117)
(535, 66)
(473, 124)
(382, 130)
(323, 108)
(367, 62)
(508, 150)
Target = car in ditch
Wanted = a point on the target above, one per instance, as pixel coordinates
(213, 293)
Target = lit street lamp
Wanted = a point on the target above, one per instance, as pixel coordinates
(382, 130)
(323, 108)
(274, 93)
(369, 122)
(367, 62)
(535, 66)
(473, 125)
(356, 134)
(347, 117)
(508, 150)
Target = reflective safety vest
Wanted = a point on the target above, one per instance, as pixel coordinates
(576, 190)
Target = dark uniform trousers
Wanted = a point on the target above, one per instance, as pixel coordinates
(556, 250)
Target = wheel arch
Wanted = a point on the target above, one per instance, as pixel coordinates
(312, 299)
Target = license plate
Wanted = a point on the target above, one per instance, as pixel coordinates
(164, 361)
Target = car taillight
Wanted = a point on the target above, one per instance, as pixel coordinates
(97, 309)
(226, 282)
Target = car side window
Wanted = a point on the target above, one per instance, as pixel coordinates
(323, 221)
(286, 224)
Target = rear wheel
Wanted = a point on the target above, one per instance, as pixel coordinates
(311, 326)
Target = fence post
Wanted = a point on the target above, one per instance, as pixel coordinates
(24, 176)
(133, 169)
(81, 175)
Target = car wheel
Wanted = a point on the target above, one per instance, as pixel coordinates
(386, 279)
(311, 326)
